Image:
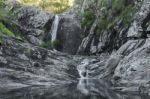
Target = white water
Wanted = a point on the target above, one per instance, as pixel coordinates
(54, 28)
(82, 69)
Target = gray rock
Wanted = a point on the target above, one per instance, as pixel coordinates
(140, 20)
(69, 34)
(135, 66)
(34, 40)
(32, 17)
(31, 65)
(3, 60)
(33, 21)
(86, 42)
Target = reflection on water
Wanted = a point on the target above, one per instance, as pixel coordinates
(84, 89)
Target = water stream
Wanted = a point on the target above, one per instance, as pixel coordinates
(54, 28)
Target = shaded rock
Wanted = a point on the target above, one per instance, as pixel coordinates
(84, 48)
(69, 34)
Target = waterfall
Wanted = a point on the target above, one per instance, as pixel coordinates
(54, 28)
(82, 69)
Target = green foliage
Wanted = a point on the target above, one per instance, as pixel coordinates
(6, 24)
(56, 6)
(47, 44)
(4, 30)
(117, 6)
(127, 14)
(87, 18)
(3, 11)
(118, 11)
(50, 44)
(56, 43)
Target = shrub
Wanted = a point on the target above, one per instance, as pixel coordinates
(87, 18)
(56, 6)
(4, 30)
(56, 44)
(47, 44)
(117, 6)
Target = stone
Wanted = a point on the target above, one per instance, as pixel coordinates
(69, 34)
(33, 21)
(3, 60)
(34, 40)
(23, 56)
(140, 20)
(135, 66)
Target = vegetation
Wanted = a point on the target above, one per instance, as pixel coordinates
(49, 44)
(6, 25)
(88, 18)
(56, 6)
(4, 30)
(111, 12)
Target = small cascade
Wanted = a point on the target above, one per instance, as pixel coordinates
(54, 28)
(82, 69)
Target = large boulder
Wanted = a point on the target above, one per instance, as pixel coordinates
(135, 66)
(69, 34)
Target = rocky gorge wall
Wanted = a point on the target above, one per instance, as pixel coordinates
(128, 44)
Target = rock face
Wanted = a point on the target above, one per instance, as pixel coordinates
(22, 64)
(69, 34)
(35, 23)
(135, 66)
(128, 64)
(140, 21)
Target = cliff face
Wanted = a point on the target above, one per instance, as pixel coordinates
(125, 32)
(109, 22)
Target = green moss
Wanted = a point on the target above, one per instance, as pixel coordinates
(6, 31)
(47, 44)
(56, 43)
(50, 44)
(127, 14)
(117, 6)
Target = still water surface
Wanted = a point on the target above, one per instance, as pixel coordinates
(84, 89)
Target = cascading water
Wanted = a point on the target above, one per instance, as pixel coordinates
(54, 28)
(82, 69)
(83, 80)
